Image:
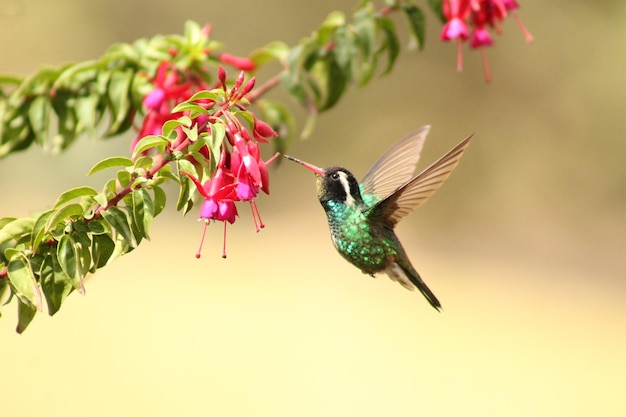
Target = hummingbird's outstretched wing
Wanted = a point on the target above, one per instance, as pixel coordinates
(396, 166)
(418, 189)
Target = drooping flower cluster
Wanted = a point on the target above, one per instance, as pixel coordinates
(237, 172)
(473, 19)
(240, 174)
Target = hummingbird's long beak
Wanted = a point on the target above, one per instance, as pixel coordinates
(312, 168)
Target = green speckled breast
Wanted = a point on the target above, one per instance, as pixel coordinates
(366, 246)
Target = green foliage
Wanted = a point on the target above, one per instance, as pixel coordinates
(47, 257)
(79, 97)
(322, 66)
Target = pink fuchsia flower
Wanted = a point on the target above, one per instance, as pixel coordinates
(251, 175)
(476, 17)
(456, 13)
(219, 202)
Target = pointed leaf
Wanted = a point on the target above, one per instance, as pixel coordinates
(15, 229)
(119, 98)
(391, 43)
(56, 286)
(102, 249)
(39, 117)
(39, 229)
(185, 201)
(74, 193)
(218, 132)
(23, 281)
(274, 50)
(142, 211)
(170, 125)
(86, 113)
(25, 314)
(83, 247)
(70, 210)
(114, 161)
(417, 22)
(160, 199)
(203, 95)
(119, 221)
(149, 142)
(66, 254)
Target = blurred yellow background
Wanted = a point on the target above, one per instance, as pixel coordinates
(524, 245)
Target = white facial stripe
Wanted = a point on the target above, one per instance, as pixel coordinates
(343, 179)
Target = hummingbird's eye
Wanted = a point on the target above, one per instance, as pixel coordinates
(334, 176)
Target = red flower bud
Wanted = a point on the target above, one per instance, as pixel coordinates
(244, 64)
(249, 86)
(221, 75)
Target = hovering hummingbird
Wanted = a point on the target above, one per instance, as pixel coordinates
(362, 216)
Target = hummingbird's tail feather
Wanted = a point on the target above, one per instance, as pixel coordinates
(410, 279)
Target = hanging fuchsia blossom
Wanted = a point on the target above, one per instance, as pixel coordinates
(472, 19)
(232, 183)
(240, 172)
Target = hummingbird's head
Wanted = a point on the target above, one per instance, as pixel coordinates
(333, 183)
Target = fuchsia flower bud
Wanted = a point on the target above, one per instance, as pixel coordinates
(241, 63)
(221, 75)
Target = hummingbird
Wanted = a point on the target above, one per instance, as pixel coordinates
(362, 216)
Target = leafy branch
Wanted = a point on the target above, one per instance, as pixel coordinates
(199, 128)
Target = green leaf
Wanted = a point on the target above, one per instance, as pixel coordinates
(86, 113)
(96, 227)
(56, 285)
(114, 161)
(203, 95)
(16, 229)
(272, 51)
(39, 117)
(194, 110)
(75, 282)
(70, 210)
(335, 83)
(23, 281)
(333, 20)
(218, 133)
(142, 211)
(74, 193)
(144, 162)
(149, 142)
(124, 178)
(365, 28)
(66, 254)
(83, 247)
(25, 314)
(109, 190)
(119, 221)
(185, 202)
(39, 229)
(391, 43)
(417, 22)
(170, 125)
(191, 132)
(159, 199)
(119, 98)
(102, 249)
(436, 6)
